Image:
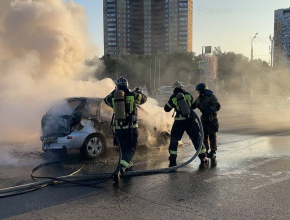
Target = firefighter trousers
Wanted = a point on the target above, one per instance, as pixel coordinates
(210, 129)
(192, 129)
(128, 141)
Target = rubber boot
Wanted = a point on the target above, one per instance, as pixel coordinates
(212, 155)
(172, 160)
(118, 173)
(204, 161)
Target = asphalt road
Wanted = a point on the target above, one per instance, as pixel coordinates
(251, 179)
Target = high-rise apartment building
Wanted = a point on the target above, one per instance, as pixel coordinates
(282, 37)
(147, 26)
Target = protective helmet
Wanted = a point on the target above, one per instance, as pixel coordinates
(137, 89)
(201, 87)
(122, 82)
(177, 84)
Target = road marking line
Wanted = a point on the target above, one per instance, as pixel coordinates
(274, 181)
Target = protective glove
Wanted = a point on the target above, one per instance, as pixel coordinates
(209, 111)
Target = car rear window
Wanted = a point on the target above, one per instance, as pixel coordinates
(64, 107)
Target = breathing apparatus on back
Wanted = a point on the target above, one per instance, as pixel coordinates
(120, 106)
(183, 106)
(120, 99)
(124, 105)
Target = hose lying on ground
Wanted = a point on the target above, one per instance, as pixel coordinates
(11, 191)
(68, 179)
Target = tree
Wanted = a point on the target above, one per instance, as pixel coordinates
(235, 70)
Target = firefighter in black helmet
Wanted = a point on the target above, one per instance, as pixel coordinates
(209, 105)
(124, 102)
(183, 122)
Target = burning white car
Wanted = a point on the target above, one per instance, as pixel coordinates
(84, 124)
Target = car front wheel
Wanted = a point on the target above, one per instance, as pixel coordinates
(93, 146)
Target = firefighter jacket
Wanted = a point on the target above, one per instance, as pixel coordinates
(208, 104)
(132, 100)
(173, 104)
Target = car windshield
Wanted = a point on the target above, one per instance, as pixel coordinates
(64, 107)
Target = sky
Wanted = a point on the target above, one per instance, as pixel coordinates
(230, 24)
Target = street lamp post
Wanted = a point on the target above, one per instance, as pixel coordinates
(252, 55)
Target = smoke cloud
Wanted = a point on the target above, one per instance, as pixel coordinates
(43, 45)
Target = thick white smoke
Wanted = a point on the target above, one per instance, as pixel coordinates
(43, 45)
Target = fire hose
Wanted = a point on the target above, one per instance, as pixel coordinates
(78, 179)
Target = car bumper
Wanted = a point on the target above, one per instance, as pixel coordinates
(74, 140)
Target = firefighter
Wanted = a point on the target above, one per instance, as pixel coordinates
(209, 105)
(124, 102)
(183, 121)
